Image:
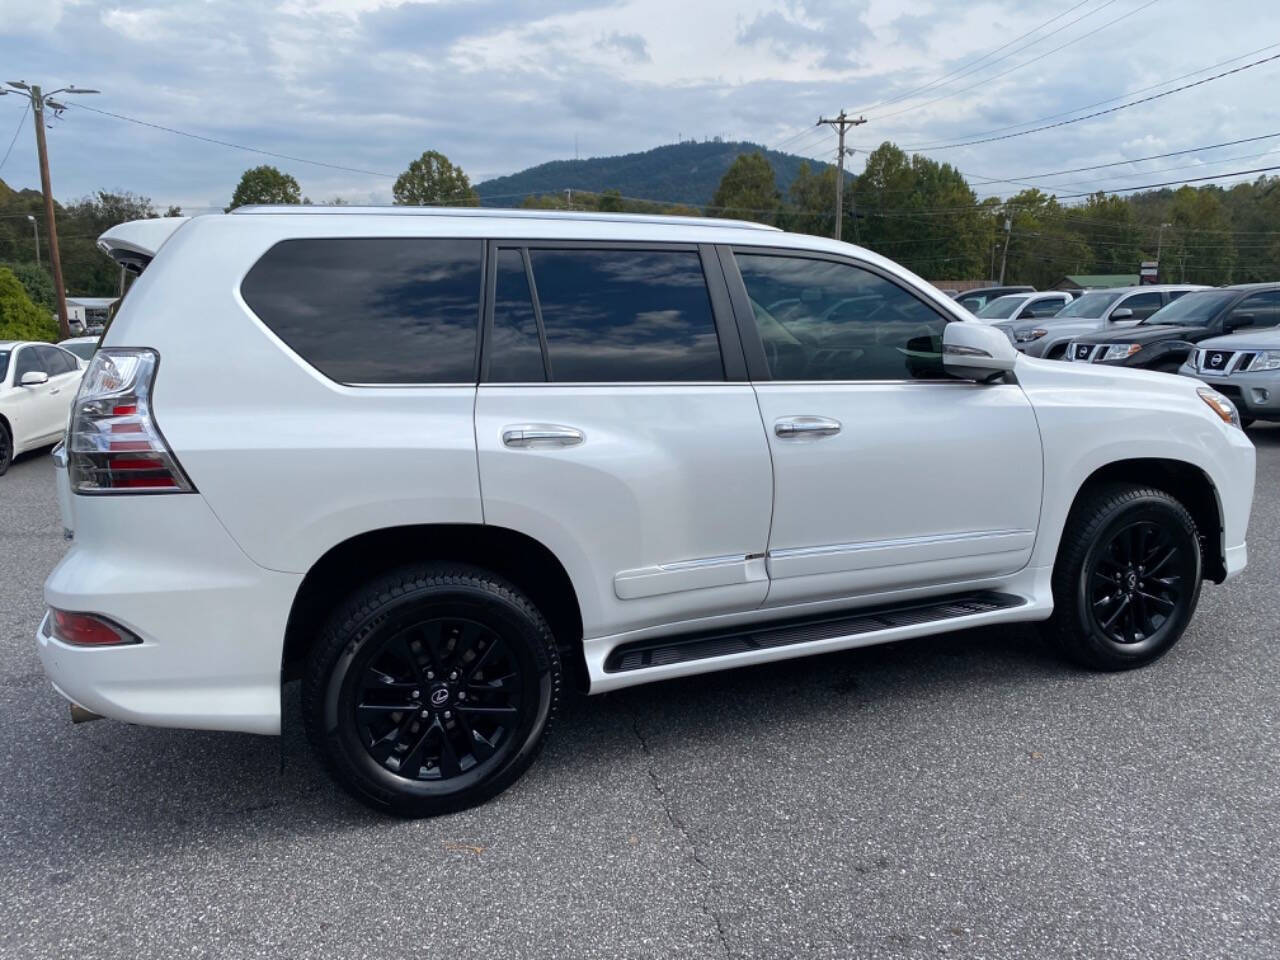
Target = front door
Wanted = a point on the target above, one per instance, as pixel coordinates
(615, 425)
(888, 474)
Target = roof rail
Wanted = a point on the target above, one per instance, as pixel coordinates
(498, 213)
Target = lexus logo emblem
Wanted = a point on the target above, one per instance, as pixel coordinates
(439, 696)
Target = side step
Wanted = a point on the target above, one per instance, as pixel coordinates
(703, 646)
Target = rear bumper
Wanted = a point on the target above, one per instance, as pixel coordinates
(211, 621)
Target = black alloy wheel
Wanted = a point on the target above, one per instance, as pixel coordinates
(1127, 578)
(6, 449)
(432, 689)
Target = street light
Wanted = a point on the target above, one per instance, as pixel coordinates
(35, 232)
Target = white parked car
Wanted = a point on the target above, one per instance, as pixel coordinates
(83, 347)
(463, 458)
(37, 384)
(1014, 307)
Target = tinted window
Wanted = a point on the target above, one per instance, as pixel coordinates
(28, 361)
(374, 310)
(515, 352)
(1091, 305)
(1197, 309)
(57, 361)
(1045, 308)
(626, 315)
(821, 320)
(1143, 305)
(84, 351)
(1264, 307)
(1002, 308)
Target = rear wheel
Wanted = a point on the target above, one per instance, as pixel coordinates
(432, 689)
(6, 449)
(1127, 579)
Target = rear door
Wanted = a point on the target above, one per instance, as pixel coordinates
(615, 425)
(888, 474)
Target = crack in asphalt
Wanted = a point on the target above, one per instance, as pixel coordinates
(677, 824)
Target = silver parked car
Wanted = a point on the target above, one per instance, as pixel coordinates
(1096, 312)
(1244, 366)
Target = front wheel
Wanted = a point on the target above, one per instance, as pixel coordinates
(1127, 579)
(431, 689)
(6, 449)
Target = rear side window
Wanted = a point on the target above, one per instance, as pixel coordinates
(373, 310)
(1263, 307)
(626, 315)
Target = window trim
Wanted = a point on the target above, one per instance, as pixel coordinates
(753, 345)
(732, 361)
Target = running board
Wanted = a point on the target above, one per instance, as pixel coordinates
(668, 650)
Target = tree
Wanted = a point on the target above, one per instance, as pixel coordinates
(20, 319)
(610, 202)
(37, 282)
(433, 180)
(812, 202)
(747, 190)
(173, 211)
(265, 184)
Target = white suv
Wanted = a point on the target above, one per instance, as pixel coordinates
(438, 464)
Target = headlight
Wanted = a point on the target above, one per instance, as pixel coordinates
(1120, 351)
(1026, 336)
(1266, 360)
(1220, 405)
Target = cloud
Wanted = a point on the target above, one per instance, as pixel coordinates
(834, 29)
(631, 45)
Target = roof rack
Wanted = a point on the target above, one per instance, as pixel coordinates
(497, 213)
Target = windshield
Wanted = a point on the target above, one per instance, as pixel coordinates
(4, 364)
(1092, 305)
(1193, 310)
(1001, 308)
(84, 350)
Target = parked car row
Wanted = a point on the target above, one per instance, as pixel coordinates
(38, 382)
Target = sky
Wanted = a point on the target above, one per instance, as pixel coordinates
(500, 85)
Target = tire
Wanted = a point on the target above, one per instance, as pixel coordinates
(6, 449)
(474, 667)
(1127, 579)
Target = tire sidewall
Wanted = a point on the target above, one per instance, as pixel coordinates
(339, 733)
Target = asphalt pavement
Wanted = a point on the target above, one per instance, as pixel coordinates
(963, 796)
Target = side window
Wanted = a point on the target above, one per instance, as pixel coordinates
(1175, 294)
(1046, 308)
(29, 360)
(1143, 305)
(626, 315)
(59, 362)
(1265, 308)
(374, 310)
(515, 351)
(822, 320)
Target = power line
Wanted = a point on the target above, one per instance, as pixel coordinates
(972, 63)
(235, 146)
(1025, 63)
(1100, 113)
(17, 130)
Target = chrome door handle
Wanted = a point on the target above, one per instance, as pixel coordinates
(793, 427)
(541, 435)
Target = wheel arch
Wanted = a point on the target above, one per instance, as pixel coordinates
(1185, 482)
(515, 556)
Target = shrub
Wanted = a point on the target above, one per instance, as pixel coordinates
(36, 281)
(20, 319)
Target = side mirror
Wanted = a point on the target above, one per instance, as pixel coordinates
(1122, 313)
(1236, 321)
(33, 378)
(976, 351)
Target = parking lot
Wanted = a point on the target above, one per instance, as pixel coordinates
(964, 796)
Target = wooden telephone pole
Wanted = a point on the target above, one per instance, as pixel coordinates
(841, 123)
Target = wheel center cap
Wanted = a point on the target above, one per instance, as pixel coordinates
(1131, 580)
(439, 695)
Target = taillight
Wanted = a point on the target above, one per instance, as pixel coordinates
(113, 443)
(86, 630)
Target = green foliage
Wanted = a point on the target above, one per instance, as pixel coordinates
(747, 191)
(431, 180)
(20, 319)
(265, 184)
(36, 281)
(811, 202)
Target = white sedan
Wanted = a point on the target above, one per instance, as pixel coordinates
(38, 381)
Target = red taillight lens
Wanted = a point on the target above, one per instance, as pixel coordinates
(113, 443)
(85, 630)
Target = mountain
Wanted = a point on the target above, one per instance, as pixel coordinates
(687, 172)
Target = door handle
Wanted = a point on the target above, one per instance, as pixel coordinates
(541, 435)
(790, 428)
(55, 391)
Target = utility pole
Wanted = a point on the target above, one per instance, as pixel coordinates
(35, 233)
(39, 101)
(841, 123)
(1004, 257)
